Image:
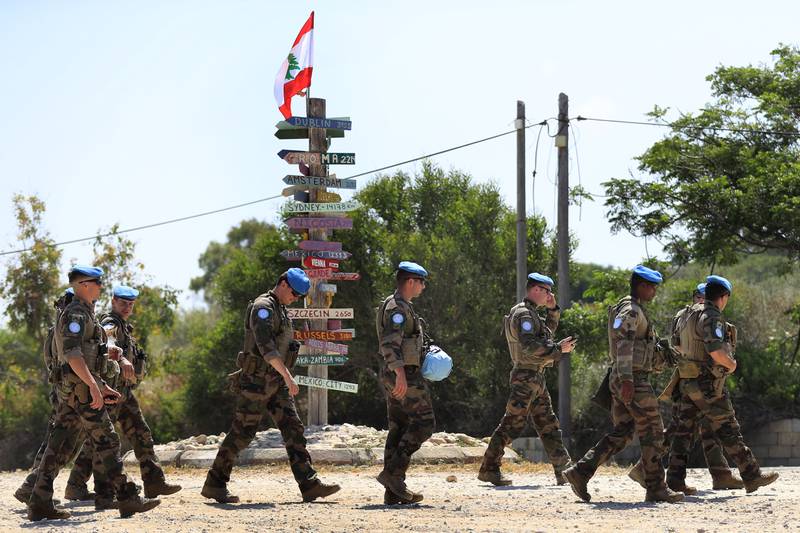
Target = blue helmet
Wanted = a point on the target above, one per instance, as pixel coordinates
(719, 280)
(125, 292)
(437, 364)
(298, 280)
(648, 274)
(413, 268)
(541, 278)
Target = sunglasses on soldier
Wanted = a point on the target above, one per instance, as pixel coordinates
(97, 281)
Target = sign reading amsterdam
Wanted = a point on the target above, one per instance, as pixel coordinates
(335, 207)
(328, 360)
(315, 313)
(320, 223)
(317, 181)
(323, 383)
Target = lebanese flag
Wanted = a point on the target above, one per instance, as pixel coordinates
(295, 73)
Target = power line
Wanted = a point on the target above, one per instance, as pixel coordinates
(253, 202)
(688, 127)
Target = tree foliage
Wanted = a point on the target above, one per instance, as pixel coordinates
(726, 179)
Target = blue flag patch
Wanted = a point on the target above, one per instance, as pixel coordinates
(617, 323)
(527, 325)
(263, 314)
(74, 327)
(398, 318)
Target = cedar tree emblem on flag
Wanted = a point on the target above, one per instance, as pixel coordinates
(294, 76)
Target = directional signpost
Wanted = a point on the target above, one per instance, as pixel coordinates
(321, 212)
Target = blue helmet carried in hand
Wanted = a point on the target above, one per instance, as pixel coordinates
(437, 364)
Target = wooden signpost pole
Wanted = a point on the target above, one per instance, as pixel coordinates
(317, 142)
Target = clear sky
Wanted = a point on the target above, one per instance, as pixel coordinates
(136, 112)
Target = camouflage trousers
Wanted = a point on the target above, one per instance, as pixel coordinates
(529, 400)
(411, 420)
(128, 416)
(712, 447)
(74, 416)
(706, 397)
(250, 408)
(642, 417)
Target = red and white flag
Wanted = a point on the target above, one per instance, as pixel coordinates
(295, 73)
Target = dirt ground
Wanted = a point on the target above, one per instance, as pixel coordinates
(271, 502)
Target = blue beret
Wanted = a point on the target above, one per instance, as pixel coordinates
(69, 291)
(87, 270)
(541, 278)
(125, 292)
(719, 280)
(414, 268)
(298, 280)
(648, 274)
(701, 288)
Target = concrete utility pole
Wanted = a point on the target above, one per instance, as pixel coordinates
(317, 397)
(564, 378)
(522, 231)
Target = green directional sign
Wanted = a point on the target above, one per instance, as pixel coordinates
(302, 133)
(328, 360)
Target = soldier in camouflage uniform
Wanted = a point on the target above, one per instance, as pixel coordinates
(264, 384)
(408, 402)
(707, 344)
(530, 342)
(721, 475)
(80, 344)
(126, 412)
(634, 351)
(23, 493)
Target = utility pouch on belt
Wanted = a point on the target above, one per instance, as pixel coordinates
(688, 369)
(602, 396)
(411, 350)
(82, 392)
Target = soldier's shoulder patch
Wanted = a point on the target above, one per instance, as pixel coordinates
(263, 313)
(74, 327)
(526, 324)
(718, 331)
(398, 318)
(617, 322)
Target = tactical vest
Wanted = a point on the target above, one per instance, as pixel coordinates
(250, 359)
(515, 347)
(93, 347)
(129, 346)
(691, 346)
(643, 349)
(413, 342)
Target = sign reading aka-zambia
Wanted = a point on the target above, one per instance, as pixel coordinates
(322, 383)
(319, 313)
(335, 207)
(328, 360)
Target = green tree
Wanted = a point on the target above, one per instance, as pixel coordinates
(32, 277)
(726, 180)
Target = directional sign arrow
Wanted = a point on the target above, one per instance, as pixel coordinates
(318, 262)
(318, 158)
(319, 223)
(318, 273)
(313, 313)
(321, 245)
(319, 181)
(327, 360)
(307, 122)
(302, 133)
(328, 346)
(322, 383)
(297, 255)
(323, 335)
(334, 207)
(345, 276)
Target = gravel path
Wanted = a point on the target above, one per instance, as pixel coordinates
(271, 502)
